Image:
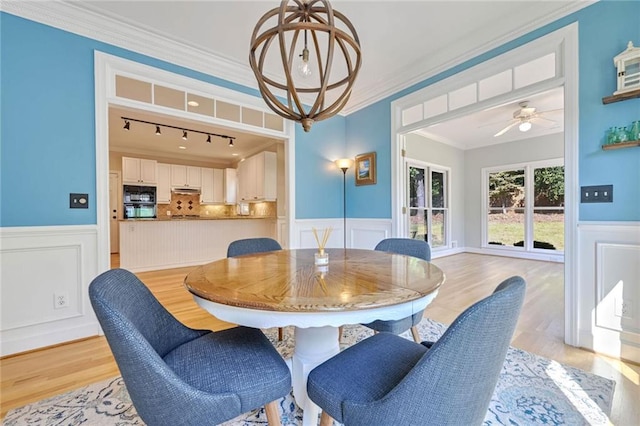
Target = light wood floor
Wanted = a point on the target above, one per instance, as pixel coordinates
(35, 375)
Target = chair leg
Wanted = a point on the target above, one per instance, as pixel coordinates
(280, 333)
(326, 419)
(416, 335)
(273, 413)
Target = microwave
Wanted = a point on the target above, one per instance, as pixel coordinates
(139, 202)
(139, 211)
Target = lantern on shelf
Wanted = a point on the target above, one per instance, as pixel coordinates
(628, 64)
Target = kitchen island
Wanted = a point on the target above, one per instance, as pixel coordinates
(153, 244)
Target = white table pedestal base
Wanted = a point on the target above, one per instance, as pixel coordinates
(313, 346)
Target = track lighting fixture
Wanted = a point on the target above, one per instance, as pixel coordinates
(127, 125)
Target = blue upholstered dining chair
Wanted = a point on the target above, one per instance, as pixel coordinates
(389, 380)
(254, 245)
(408, 247)
(176, 375)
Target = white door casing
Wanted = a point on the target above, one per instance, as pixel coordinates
(564, 43)
(106, 67)
(114, 211)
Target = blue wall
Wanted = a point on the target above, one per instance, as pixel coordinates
(604, 30)
(47, 142)
(47, 139)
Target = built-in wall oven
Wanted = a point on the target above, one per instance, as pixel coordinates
(139, 202)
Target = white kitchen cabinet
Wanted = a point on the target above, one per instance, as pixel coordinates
(230, 186)
(186, 176)
(257, 180)
(212, 186)
(164, 183)
(218, 186)
(139, 171)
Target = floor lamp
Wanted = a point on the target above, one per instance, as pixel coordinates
(344, 164)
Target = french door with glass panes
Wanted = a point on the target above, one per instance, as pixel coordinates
(428, 203)
(525, 206)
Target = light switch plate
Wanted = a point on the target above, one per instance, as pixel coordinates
(78, 201)
(596, 194)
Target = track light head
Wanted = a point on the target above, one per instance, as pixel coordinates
(126, 125)
(184, 135)
(208, 138)
(231, 142)
(158, 131)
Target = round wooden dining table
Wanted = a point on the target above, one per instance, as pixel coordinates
(285, 287)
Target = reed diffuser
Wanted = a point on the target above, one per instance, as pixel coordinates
(322, 257)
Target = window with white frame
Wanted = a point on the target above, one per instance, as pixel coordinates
(428, 206)
(524, 206)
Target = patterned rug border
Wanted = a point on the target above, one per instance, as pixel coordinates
(531, 390)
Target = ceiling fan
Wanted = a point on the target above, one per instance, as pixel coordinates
(525, 117)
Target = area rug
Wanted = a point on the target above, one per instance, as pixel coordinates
(531, 390)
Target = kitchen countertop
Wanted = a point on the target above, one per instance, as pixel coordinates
(182, 219)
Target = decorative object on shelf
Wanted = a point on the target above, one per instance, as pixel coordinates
(322, 257)
(621, 137)
(308, 30)
(127, 127)
(344, 164)
(628, 65)
(366, 169)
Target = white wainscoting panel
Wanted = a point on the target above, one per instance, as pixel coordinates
(609, 288)
(367, 233)
(154, 244)
(361, 233)
(36, 264)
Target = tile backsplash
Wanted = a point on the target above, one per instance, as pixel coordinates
(189, 204)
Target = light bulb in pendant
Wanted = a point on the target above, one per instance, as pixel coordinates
(304, 68)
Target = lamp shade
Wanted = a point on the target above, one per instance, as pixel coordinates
(344, 163)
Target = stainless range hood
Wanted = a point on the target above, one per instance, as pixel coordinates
(186, 191)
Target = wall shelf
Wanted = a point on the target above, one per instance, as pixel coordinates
(621, 97)
(621, 145)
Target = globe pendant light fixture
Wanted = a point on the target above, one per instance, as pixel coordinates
(316, 51)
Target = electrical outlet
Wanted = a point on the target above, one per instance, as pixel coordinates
(60, 300)
(623, 308)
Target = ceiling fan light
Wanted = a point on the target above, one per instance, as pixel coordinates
(525, 126)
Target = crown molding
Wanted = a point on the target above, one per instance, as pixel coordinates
(84, 22)
(365, 96)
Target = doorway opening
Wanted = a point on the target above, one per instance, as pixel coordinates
(506, 81)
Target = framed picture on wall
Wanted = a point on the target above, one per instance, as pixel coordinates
(366, 169)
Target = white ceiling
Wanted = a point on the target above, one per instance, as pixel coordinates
(479, 129)
(142, 139)
(402, 42)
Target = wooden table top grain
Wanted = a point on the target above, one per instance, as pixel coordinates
(289, 281)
